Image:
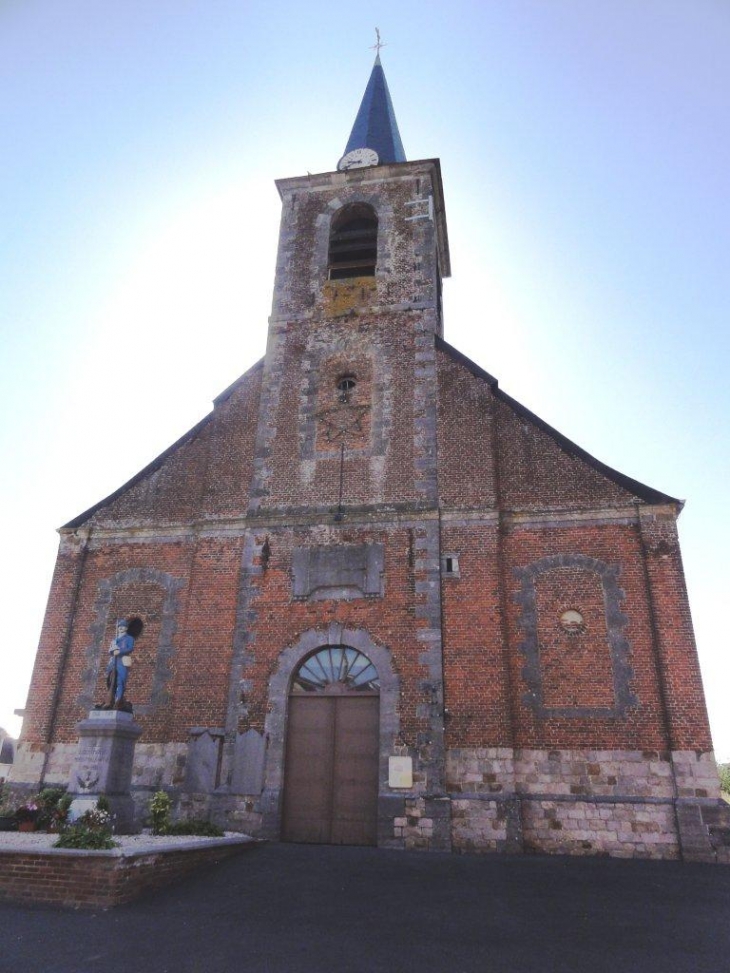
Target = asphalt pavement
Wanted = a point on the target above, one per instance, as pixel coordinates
(305, 909)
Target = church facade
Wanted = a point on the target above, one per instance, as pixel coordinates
(383, 602)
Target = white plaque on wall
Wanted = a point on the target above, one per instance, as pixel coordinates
(400, 772)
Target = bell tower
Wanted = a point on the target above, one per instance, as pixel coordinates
(357, 303)
(345, 468)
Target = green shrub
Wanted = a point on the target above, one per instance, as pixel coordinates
(50, 796)
(53, 804)
(724, 771)
(79, 836)
(93, 830)
(8, 808)
(160, 806)
(197, 827)
(64, 803)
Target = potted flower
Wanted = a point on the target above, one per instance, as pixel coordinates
(26, 816)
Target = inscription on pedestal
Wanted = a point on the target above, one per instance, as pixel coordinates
(104, 762)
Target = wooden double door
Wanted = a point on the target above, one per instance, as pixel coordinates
(331, 771)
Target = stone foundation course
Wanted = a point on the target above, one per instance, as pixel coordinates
(622, 803)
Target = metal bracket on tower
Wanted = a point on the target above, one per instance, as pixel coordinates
(421, 216)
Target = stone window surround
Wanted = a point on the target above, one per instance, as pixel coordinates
(164, 650)
(276, 720)
(452, 569)
(315, 360)
(619, 646)
(374, 200)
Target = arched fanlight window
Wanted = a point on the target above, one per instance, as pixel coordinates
(353, 242)
(336, 669)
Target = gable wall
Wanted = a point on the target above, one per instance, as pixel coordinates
(537, 474)
(206, 476)
(465, 437)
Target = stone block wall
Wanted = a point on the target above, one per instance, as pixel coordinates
(483, 826)
(695, 774)
(642, 804)
(622, 830)
(594, 773)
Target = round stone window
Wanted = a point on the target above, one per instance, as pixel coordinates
(345, 387)
(572, 621)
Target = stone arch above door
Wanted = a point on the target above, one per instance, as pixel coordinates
(279, 685)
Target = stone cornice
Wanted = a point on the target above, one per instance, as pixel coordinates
(375, 518)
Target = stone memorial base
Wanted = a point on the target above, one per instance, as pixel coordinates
(103, 766)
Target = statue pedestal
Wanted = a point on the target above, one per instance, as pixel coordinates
(103, 765)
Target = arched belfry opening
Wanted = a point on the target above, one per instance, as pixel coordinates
(332, 749)
(353, 249)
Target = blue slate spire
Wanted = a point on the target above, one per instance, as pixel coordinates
(375, 126)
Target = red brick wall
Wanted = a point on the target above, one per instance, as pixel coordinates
(484, 695)
(88, 880)
(532, 472)
(537, 474)
(643, 727)
(476, 678)
(677, 654)
(230, 461)
(577, 669)
(390, 621)
(200, 687)
(196, 690)
(465, 437)
(481, 695)
(54, 644)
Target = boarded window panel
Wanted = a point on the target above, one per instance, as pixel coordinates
(353, 246)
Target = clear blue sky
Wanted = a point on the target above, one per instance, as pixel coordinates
(585, 154)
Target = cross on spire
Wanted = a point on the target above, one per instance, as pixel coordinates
(378, 44)
(375, 125)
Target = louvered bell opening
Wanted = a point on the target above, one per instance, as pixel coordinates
(354, 248)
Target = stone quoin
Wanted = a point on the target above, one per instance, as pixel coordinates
(368, 550)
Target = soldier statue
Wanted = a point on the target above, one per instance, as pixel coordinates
(120, 660)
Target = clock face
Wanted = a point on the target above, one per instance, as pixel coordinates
(358, 159)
